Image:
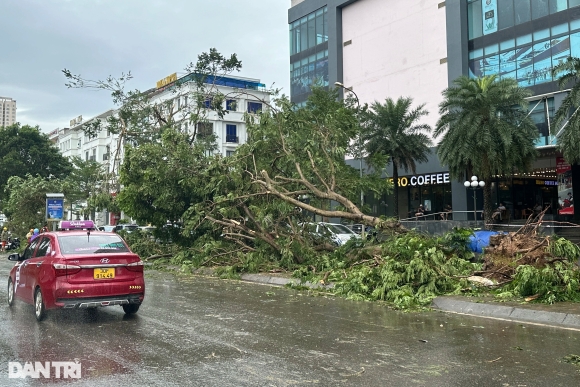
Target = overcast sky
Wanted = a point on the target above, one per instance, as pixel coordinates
(150, 38)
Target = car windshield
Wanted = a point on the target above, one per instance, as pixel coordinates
(339, 229)
(92, 244)
(130, 228)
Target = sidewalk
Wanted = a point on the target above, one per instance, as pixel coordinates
(564, 314)
(275, 280)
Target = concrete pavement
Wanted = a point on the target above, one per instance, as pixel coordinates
(564, 314)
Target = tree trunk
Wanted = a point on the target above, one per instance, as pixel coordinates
(396, 190)
(487, 204)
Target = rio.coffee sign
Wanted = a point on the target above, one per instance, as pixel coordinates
(429, 179)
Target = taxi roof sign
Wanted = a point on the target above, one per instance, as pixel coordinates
(76, 224)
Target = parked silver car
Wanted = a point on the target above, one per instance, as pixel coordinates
(335, 232)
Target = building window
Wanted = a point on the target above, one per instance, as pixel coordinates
(87, 156)
(231, 105)
(509, 13)
(539, 8)
(208, 103)
(229, 153)
(204, 129)
(231, 133)
(539, 113)
(308, 72)
(474, 19)
(309, 31)
(254, 107)
(530, 58)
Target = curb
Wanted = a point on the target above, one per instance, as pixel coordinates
(281, 281)
(532, 314)
(508, 312)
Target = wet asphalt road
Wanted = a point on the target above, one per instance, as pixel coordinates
(204, 332)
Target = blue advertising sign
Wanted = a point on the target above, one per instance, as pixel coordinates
(54, 209)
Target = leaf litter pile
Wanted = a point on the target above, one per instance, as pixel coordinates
(536, 267)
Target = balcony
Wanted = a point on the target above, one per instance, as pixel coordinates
(232, 139)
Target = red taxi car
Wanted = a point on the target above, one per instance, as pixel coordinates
(77, 267)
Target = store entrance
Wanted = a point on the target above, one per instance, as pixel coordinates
(529, 196)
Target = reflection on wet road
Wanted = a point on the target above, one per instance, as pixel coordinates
(197, 331)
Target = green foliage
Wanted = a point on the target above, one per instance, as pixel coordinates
(562, 247)
(154, 191)
(25, 150)
(408, 270)
(83, 187)
(145, 245)
(227, 272)
(573, 359)
(162, 180)
(554, 283)
(569, 138)
(393, 130)
(486, 130)
(557, 281)
(456, 242)
(26, 204)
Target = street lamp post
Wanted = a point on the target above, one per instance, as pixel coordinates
(474, 184)
(362, 195)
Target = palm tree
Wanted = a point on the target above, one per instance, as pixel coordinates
(393, 130)
(569, 139)
(569, 134)
(486, 130)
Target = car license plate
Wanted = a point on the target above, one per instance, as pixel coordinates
(104, 273)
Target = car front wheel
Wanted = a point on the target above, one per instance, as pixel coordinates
(39, 309)
(131, 308)
(10, 292)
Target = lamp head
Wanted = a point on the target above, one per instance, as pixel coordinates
(467, 184)
(474, 183)
(339, 84)
(482, 184)
(473, 178)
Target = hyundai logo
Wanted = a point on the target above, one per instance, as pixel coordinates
(105, 260)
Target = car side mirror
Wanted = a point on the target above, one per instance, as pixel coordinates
(14, 257)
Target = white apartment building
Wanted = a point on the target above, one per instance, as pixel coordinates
(7, 111)
(243, 95)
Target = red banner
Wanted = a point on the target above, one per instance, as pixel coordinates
(562, 166)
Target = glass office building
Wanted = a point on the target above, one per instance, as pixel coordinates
(308, 54)
(518, 39)
(524, 40)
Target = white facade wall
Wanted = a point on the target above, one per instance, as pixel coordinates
(396, 49)
(233, 117)
(103, 147)
(72, 142)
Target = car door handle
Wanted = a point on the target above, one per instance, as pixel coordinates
(38, 264)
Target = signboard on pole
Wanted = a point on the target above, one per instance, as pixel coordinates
(54, 207)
